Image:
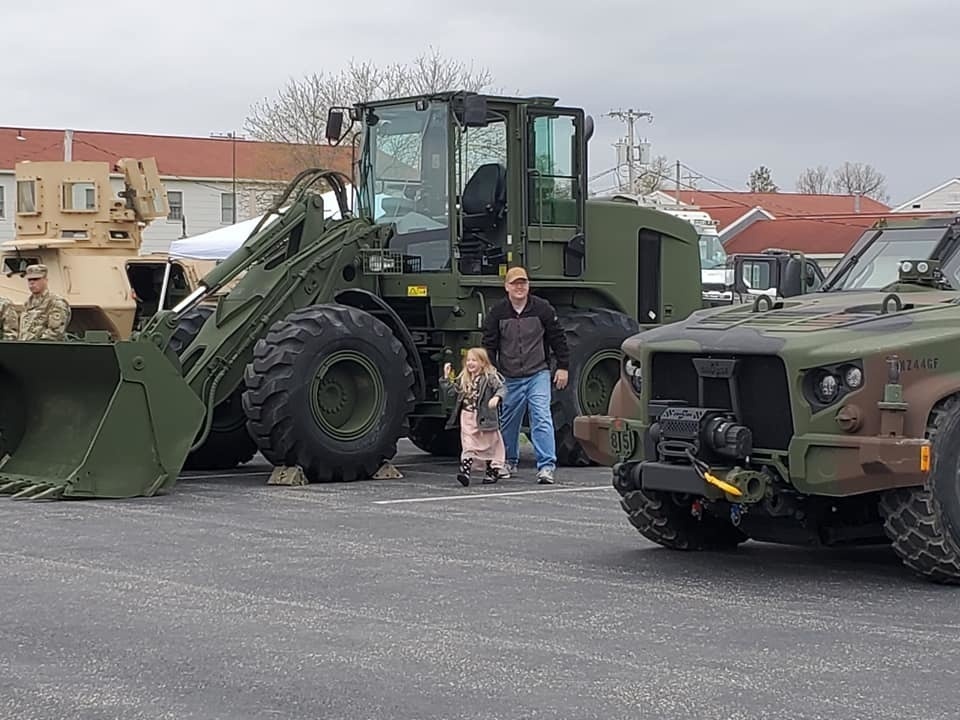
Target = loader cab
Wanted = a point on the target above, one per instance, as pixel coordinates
(474, 183)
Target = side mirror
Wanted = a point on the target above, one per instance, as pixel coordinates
(475, 111)
(334, 128)
(792, 280)
(588, 128)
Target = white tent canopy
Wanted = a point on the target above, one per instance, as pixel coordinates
(220, 243)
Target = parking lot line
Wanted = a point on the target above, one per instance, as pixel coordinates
(475, 496)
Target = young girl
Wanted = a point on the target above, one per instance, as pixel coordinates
(478, 390)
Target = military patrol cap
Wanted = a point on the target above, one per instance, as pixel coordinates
(36, 271)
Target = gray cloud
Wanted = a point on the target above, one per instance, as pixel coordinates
(732, 85)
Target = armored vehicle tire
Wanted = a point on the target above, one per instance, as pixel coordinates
(924, 523)
(594, 339)
(665, 518)
(228, 443)
(329, 389)
(428, 434)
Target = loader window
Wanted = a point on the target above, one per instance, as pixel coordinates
(553, 171)
(482, 196)
(403, 179)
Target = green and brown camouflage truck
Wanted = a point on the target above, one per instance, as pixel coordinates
(830, 418)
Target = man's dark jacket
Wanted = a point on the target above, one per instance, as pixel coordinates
(520, 344)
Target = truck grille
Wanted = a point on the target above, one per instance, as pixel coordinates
(762, 391)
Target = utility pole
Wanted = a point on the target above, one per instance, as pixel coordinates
(630, 117)
(233, 141)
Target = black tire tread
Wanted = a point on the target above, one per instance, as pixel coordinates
(269, 377)
(913, 518)
(663, 522)
(579, 327)
(430, 436)
(220, 451)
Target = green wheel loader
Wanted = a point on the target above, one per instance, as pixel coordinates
(328, 347)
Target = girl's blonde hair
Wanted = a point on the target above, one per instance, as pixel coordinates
(486, 367)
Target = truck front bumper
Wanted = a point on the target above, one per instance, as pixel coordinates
(608, 440)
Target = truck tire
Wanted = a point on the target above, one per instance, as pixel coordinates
(228, 443)
(329, 390)
(594, 339)
(428, 434)
(660, 518)
(923, 523)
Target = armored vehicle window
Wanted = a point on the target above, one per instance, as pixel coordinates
(15, 264)
(79, 197)
(879, 264)
(26, 197)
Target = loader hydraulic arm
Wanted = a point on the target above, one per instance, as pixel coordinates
(258, 246)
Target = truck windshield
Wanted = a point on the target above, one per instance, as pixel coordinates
(404, 179)
(712, 254)
(878, 265)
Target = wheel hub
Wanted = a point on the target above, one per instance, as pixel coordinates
(347, 395)
(597, 380)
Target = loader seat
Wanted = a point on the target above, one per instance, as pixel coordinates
(484, 199)
(483, 206)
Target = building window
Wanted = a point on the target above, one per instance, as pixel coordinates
(175, 201)
(3, 209)
(227, 210)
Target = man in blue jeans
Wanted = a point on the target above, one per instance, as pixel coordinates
(519, 332)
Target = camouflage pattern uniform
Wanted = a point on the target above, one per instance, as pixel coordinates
(10, 319)
(46, 315)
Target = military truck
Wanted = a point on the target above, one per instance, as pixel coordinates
(330, 345)
(831, 418)
(69, 219)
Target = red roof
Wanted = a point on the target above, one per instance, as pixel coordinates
(177, 156)
(833, 234)
(725, 207)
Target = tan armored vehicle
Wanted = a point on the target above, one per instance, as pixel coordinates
(69, 219)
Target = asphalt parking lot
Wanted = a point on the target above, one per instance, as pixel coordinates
(417, 598)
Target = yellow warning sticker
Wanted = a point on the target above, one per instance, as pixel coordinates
(416, 290)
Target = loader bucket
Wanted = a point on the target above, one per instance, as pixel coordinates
(92, 420)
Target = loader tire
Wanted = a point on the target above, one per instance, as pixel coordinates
(428, 434)
(329, 390)
(923, 523)
(594, 339)
(228, 443)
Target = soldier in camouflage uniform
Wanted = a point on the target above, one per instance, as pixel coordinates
(45, 315)
(10, 319)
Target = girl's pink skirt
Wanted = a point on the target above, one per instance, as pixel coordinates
(480, 444)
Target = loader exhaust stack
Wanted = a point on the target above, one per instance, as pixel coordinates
(92, 420)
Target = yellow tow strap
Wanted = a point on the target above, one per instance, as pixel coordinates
(725, 486)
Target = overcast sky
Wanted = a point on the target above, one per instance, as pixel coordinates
(732, 85)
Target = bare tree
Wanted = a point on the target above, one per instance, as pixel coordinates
(761, 181)
(853, 178)
(814, 181)
(654, 176)
(298, 113)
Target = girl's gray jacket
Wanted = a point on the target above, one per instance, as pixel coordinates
(488, 418)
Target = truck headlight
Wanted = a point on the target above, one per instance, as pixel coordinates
(825, 385)
(631, 368)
